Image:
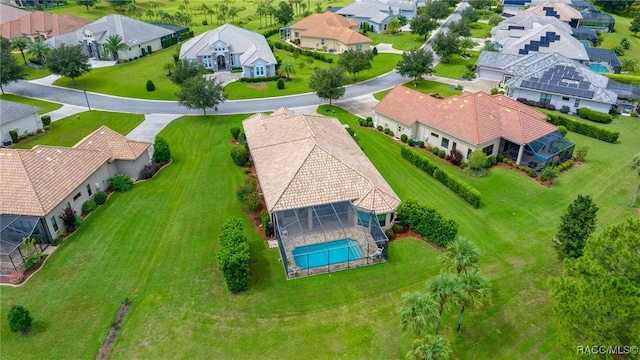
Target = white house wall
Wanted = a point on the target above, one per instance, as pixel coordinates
(489, 74)
(558, 100)
(136, 50)
(23, 125)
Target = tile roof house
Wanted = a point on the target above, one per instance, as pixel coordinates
(565, 12)
(377, 13)
(320, 189)
(550, 78)
(228, 47)
(494, 124)
(42, 181)
(328, 31)
(10, 13)
(141, 37)
(41, 25)
(19, 117)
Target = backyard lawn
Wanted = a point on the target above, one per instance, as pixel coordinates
(622, 31)
(456, 67)
(480, 30)
(424, 86)
(70, 130)
(404, 40)
(30, 72)
(45, 106)
(160, 251)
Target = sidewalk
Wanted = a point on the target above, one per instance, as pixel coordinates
(151, 126)
(64, 111)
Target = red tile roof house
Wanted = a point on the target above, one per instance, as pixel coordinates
(37, 184)
(41, 25)
(471, 121)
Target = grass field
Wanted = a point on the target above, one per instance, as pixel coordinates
(45, 106)
(455, 68)
(424, 86)
(404, 40)
(70, 130)
(480, 30)
(622, 31)
(30, 72)
(161, 244)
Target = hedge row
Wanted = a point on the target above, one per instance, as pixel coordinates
(260, 79)
(427, 222)
(625, 79)
(596, 132)
(168, 42)
(595, 116)
(466, 192)
(233, 257)
(294, 49)
(268, 33)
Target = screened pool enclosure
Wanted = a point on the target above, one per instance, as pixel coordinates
(14, 249)
(552, 148)
(331, 237)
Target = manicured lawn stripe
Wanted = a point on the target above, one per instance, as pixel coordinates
(456, 67)
(45, 106)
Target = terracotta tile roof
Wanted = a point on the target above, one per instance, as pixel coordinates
(329, 18)
(329, 25)
(42, 23)
(35, 181)
(113, 144)
(474, 117)
(566, 12)
(304, 160)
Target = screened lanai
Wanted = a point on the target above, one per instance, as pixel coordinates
(551, 148)
(331, 237)
(15, 229)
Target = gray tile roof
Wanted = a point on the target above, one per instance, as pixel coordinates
(12, 111)
(249, 44)
(528, 21)
(564, 43)
(375, 11)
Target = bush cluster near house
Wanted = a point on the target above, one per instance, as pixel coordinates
(161, 150)
(595, 116)
(248, 194)
(427, 222)
(89, 206)
(70, 219)
(233, 257)
(466, 192)
(596, 132)
(266, 223)
(19, 319)
(121, 183)
(100, 197)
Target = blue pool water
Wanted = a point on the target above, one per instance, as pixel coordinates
(599, 68)
(326, 253)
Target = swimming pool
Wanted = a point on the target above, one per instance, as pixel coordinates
(599, 68)
(326, 253)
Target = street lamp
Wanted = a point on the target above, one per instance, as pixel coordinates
(86, 98)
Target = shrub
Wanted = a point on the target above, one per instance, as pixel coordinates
(89, 206)
(494, 91)
(441, 154)
(351, 131)
(594, 116)
(16, 277)
(32, 261)
(427, 222)
(410, 142)
(531, 172)
(380, 128)
(499, 158)
(204, 22)
(634, 114)
(403, 138)
(455, 156)
(422, 162)
(47, 127)
(549, 173)
(242, 139)
(369, 119)
(477, 162)
(435, 150)
(14, 136)
(161, 150)
(246, 188)
(19, 319)
(266, 223)
(466, 192)
(68, 218)
(252, 201)
(391, 133)
(240, 155)
(421, 144)
(390, 234)
(491, 160)
(624, 78)
(369, 123)
(46, 120)
(596, 132)
(386, 131)
(235, 132)
(233, 256)
(397, 228)
(121, 183)
(100, 197)
(581, 153)
(149, 170)
(564, 109)
(280, 84)
(150, 86)
(374, 51)
(562, 130)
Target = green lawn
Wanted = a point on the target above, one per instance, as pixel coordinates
(480, 30)
(45, 106)
(70, 130)
(30, 72)
(622, 31)
(161, 244)
(456, 67)
(404, 40)
(424, 86)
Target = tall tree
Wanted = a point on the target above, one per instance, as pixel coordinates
(233, 12)
(465, 44)
(596, 299)
(354, 61)
(154, 5)
(87, 3)
(446, 291)
(434, 347)
(470, 13)
(614, 5)
(635, 25)
(461, 256)
(446, 45)
(200, 93)
(113, 44)
(284, 13)
(119, 4)
(423, 25)
(10, 70)
(475, 291)
(288, 67)
(495, 19)
(480, 4)
(576, 226)
(437, 9)
(418, 313)
(415, 64)
(460, 27)
(68, 61)
(21, 44)
(186, 69)
(489, 46)
(393, 26)
(38, 49)
(329, 83)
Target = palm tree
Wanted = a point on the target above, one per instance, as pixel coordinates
(461, 256)
(154, 5)
(628, 64)
(419, 312)
(38, 49)
(445, 290)
(20, 43)
(495, 19)
(465, 44)
(186, 5)
(169, 67)
(393, 26)
(150, 14)
(289, 67)
(433, 347)
(475, 290)
(131, 9)
(114, 44)
(233, 12)
(489, 46)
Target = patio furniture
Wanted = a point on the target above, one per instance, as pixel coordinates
(376, 254)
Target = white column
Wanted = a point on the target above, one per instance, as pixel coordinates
(520, 152)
